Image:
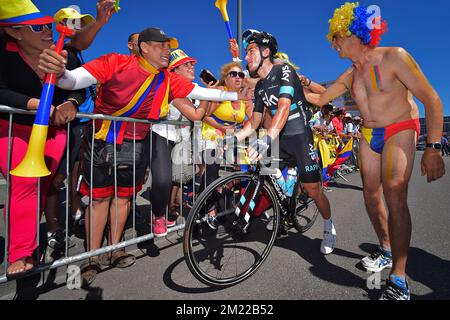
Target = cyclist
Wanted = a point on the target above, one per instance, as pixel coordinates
(280, 91)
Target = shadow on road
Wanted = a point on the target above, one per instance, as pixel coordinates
(189, 280)
(308, 249)
(344, 186)
(431, 271)
(427, 269)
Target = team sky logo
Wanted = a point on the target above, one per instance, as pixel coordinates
(286, 73)
(270, 101)
(312, 153)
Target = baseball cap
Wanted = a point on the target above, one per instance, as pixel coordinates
(72, 14)
(157, 35)
(348, 115)
(178, 58)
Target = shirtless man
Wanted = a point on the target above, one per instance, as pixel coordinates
(383, 82)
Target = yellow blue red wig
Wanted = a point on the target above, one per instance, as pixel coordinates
(352, 19)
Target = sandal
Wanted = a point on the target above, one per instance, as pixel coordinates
(121, 259)
(89, 271)
(26, 261)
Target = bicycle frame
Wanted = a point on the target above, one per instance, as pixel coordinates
(285, 203)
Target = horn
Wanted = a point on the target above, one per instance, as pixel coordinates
(222, 6)
(33, 164)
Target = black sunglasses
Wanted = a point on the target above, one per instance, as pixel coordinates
(235, 74)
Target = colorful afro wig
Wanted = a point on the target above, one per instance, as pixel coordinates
(353, 19)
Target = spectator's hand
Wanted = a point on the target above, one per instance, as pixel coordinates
(105, 10)
(432, 165)
(246, 94)
(212, 85)
(234, 48)
(228, 130)
(51, 62)
(63, 114)
(304, 80)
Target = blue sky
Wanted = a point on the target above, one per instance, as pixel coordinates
(300, 26)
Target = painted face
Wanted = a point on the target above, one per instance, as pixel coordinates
(234, 79)
(253, 57)
(186, 70)
(157, 53)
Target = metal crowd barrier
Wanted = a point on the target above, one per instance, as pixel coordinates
(68, 259)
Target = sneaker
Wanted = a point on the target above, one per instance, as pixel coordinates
(212, 222)
(172, 218)
(160, 227)
(379, 260)
(396, 291)
(76, 217)
(57, 240)
(328, 242)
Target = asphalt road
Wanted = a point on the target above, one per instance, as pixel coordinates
(295, 270)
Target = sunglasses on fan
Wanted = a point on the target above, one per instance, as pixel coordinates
(235, 74)
(37, 27)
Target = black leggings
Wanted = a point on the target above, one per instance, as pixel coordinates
(159, 155)
(211, 169)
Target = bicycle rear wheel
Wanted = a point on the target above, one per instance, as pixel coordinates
(228, 254)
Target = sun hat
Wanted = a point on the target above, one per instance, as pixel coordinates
(178, 58)
(73, 14)
(21, 12)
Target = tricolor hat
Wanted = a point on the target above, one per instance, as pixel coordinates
(21, 12)
(72, 14)
(178, 58)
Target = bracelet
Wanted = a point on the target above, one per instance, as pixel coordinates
(310, 81)
(74, 102)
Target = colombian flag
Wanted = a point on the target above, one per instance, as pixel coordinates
(342, 156)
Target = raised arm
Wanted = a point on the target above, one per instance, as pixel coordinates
(85, 37)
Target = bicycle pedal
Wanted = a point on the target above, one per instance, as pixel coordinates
(282, 233)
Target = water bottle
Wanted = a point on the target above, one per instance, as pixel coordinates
(280, 179)
(291, 180)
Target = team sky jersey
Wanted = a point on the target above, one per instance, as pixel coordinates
(283, 82)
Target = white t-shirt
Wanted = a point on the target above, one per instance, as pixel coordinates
(349, 128)
(318, 120)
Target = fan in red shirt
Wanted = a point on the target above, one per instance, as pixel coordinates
(134, 87)
(338, 122)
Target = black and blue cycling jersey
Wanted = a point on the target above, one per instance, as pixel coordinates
(295, 140)
(283, 82)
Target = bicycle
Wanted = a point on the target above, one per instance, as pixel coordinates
(243, 239)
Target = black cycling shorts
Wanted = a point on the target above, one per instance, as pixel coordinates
(301, 148)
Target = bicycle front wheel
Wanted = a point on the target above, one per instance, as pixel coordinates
(306, 213)
(225, 250)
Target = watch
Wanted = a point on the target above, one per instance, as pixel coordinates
(436, 146)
